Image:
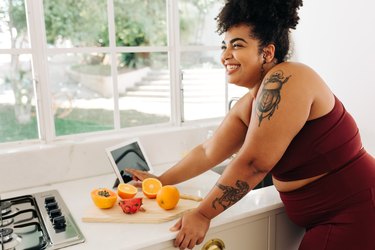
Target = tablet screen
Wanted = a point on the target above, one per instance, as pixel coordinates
(127, 155)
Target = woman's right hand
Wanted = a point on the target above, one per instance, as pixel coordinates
(139, 175)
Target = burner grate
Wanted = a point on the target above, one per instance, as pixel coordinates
(37, 221)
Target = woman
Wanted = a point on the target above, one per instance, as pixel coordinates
(289, 124)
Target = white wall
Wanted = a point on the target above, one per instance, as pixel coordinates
(335, 38)
(46, 164)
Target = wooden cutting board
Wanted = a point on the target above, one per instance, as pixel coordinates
(153, 213)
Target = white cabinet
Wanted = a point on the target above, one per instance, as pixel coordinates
(287, 235)
(244, 235)
(266, 231)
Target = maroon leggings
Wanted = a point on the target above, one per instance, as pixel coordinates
(337, 210)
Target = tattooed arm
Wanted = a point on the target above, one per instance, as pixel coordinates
(236, 182)
(230, 189)
(270, 96)
(282, 105)
(230, 194)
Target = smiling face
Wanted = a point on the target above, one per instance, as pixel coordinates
(241, 57)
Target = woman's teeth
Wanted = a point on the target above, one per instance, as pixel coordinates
(232, 67)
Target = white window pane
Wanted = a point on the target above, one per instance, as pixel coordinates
(197, 22)
(76, 23)
(17, 100)
(144, 89)
(204, 85)
(13, 25)
(140, 23)
(81, 93)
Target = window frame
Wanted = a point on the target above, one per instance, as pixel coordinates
(40, 53)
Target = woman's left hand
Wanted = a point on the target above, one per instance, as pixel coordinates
(192, 228)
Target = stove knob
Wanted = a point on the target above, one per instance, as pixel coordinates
(52, 205)
(54, 213)
(49, 199)
(59, 222)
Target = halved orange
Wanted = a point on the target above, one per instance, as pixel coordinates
(126, 191)
(168, 197)
(150, 187)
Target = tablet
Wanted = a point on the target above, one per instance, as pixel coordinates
(128, 154)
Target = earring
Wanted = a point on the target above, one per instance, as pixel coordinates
(264, 57)
(262, 67)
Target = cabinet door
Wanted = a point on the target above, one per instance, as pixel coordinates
(287, 235)
(268, 231)
(247, 236)
(244, 235)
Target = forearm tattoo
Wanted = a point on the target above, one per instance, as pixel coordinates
(231, 194)
(270, 97)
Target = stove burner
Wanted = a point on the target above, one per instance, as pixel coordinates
(5, 207)
(37, 221)
(5, 235)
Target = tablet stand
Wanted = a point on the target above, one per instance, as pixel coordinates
(116, 183)
(126, 178)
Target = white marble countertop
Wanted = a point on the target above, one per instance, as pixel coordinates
(76, 195)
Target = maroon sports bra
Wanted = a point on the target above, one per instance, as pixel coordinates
(324, 144)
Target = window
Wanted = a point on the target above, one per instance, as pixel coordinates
(203, 77)
(17, 96)
(78, 66)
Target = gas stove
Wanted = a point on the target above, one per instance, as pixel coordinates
(37, 221)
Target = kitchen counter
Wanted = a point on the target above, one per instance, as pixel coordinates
(76, 195)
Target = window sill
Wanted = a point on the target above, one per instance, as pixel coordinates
(74, 158)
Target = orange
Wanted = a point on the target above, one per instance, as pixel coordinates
(103, 197)
(126, 191)
(150, 187)
(168, 197)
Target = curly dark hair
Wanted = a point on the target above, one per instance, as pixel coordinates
(270, 21)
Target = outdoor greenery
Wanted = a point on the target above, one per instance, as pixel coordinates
(12, 130)
(84, 23)
(79, 121)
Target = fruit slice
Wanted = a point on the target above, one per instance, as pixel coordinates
(131, 206)
(126, 191)
(168, 197)
(103, 197)
(150, 187)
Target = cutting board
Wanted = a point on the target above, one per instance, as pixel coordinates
(153, 213)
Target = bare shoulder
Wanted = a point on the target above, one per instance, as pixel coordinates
(300, 73)
(295, 67)
(297, 83)
(290, 82)
(304, 87)
(298, 70)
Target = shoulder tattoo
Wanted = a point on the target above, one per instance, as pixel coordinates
(231, 194)
(270, 97)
